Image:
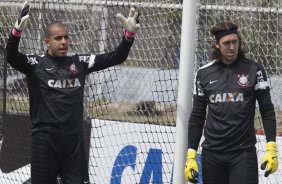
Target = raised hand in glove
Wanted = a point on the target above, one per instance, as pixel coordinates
(270, 159)
(23, 18)
(131, 23)
(191, 171)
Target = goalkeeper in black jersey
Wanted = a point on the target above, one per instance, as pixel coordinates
(230, 85)
(56, 83)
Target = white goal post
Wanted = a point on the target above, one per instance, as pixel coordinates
(136, 114)
(184, 100)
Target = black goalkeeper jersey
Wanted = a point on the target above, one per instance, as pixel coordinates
(228, 93)
(56, 85)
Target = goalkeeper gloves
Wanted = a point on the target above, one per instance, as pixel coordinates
(22, 20)
(130, 24)
(270, 159)
(191, 171)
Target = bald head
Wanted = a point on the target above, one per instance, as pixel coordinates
(50, 27)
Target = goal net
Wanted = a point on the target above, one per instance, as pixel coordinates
(130, 109)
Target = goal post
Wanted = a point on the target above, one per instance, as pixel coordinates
(184, 101)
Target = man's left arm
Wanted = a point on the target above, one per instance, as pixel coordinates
(270, 159)
(266, 108)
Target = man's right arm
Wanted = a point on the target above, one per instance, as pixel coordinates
(198, 114)
(16, 59)
(195, 129)
(196, 122)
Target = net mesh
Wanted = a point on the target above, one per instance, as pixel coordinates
(126, 105)
(131, 108)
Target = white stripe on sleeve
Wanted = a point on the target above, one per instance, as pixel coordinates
(262, 85)
(91, 61)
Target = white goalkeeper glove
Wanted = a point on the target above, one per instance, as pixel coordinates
(23, 17)
(191, 171)
(130, 24)
(270, 159)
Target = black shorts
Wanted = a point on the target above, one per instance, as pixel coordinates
(57, 154)
(230, 168)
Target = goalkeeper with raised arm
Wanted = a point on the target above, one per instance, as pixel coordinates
(230, 85)
(56, 83)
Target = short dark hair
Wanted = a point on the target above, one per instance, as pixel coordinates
(222, 29)
(48, 28)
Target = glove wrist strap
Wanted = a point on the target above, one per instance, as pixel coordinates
(128, 34)
(16, 33)
(191, 154)
(271, 146)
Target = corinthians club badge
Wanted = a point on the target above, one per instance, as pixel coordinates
(243, 80)
(73, 69)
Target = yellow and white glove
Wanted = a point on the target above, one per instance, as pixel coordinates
(131, 24)
(191, 171)
(270, 159)
(23, 17)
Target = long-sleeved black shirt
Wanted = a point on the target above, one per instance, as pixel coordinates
(56, 85)
(229, 94)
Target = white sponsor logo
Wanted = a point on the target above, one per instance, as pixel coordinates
(83, 58)
(32, 60)
(259, 77)
(65, 83)
(48, 69)
(226, 97)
